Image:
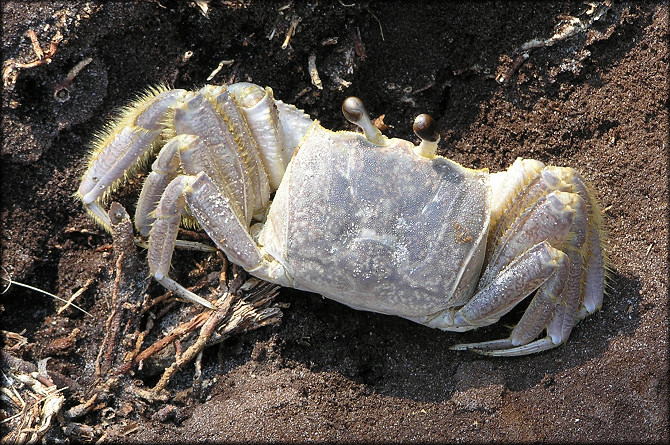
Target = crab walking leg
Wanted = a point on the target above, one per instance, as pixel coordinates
(119, 151)
(566, 316)
(227, 162)
(551, 218)
(547, 180)
(506, 185)
(538, 314)
(277, 127)
(262, 116)
(123, 151)
(163, 171)
(594, 278)
(247, 146)
(514, 283)
(592, 255)
(213, 211)
(555, 306)
(163, 236)
(542, 307)
(595, 260)
(575, 246)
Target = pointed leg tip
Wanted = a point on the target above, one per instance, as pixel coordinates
(181, 291)
(505, 347)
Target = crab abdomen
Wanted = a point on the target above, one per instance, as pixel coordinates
(379, 227)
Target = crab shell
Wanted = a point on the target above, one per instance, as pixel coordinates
(379, 228)
(377, 224)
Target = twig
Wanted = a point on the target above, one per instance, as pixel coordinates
(206, 333)
(62, 90)
(313, 72)
(76, 295)
(11, 67)
(9, 281)
(8, 361)
(220, 67)
(381, 30)
(180, 330)
(562, 32)
(128, 290)
(291, 31)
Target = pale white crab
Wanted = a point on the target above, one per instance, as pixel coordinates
(375, 223)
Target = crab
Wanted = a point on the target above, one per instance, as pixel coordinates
(378, 224)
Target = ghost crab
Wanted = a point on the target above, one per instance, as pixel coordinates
(378, 224)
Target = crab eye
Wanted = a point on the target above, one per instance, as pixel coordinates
(425, 128)
(354, 111)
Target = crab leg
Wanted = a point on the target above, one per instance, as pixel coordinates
(556, 304)
(163, 171)
(163, 236)
(595, 259)
(213, 211)
(507, 184)
(276, 127)
(261, 114)
(117, 152)
(212, 208)
(551, 218)
(536, 318)
(228, 163)
(529, 190)
(541, 308)
(514, 283)
(548, 222)
(580, 295)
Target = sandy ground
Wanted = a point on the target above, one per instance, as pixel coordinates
(595, 100)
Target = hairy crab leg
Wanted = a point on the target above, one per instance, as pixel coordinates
(226, 105)
(595, 258)
(228, 162)
(225, 184)
(584, 250)
(163, 171)
(294, 124)
(276, 127)
(521, 204)
(123, 146)
(263, 121)
(208, 152)
(534, 320)
(550, 218)
(564, 179)
(507, 185)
